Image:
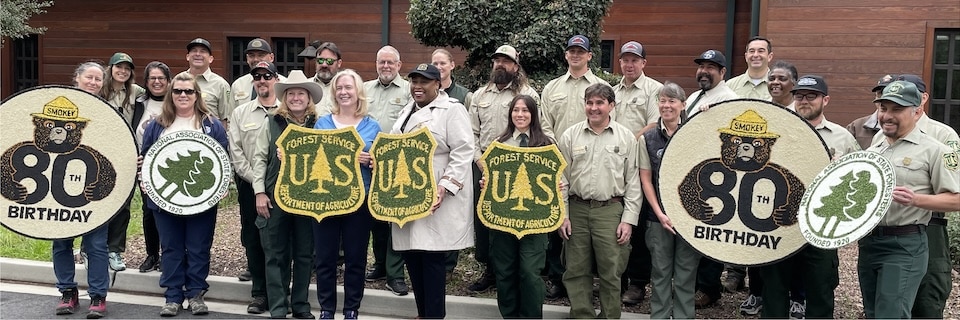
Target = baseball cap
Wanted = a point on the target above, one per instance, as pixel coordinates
(903, 93)
(426, 70)
(915, 79)
(884, 81)
(579, 41)
(712, 56)
(634, 48)
(121, 57)
(507, 51)
(258, 45)
(264, 65)
(811, 82)
(199, 42)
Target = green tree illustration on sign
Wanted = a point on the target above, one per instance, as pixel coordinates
(198, 170)
(402, 177)
(847, 201)
(521, 188)
(320, 171)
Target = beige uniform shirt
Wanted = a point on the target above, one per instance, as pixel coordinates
(126, 107)
(637, 103)
(246, 122)
(216, 94)
(838, 139)
(243, 90)
(603, 166)
(325, 106)
(490, 112)
(563, 100)
(717, 94)
(918, 161)
(935, 129)
(745, 88)
(385, 102)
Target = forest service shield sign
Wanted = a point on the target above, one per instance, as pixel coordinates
(186, 172)
(69, 162)
(403, 187)
(320, 172)
(522, 191)
(847, 199)
(733, 177)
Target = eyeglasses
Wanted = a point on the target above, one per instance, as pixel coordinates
(265, 76)
(157, 79)
(809, 96)
(328, 61)
(178, 92)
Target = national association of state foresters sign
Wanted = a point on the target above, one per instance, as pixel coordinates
(403, 187)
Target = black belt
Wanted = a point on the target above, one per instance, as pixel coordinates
(596, 203)
(898, 230)
(938, 221)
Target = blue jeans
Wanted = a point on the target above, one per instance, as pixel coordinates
(98, 275)
(185, 242)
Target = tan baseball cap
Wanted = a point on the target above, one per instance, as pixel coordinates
(507, 51)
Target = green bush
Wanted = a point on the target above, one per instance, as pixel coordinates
(953, 232)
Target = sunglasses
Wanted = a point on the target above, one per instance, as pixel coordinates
(178, 92)
(265, 76)
(328, 61)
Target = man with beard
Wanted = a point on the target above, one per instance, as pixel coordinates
(328, 64)
(216, 90)
(713, 90)
(489, 113)
(753, 83)
(387, 95)
(816, 267)
(243, 130)
(258, 50)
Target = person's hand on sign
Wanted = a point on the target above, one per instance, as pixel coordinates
(280, 154)
(263, 205)
(565, 230)
(483, 182)
(366, 159)
(373, 162)
(139, 176)
(623, 233)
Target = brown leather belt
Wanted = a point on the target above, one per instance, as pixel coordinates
(898, 230)
(938, 221)
(596, 203)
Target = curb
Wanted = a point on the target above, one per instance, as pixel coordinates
(379, 302)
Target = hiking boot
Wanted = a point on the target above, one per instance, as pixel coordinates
(170, 309)
(703, 300)
(98, 307)
(733, 283)
(798, 310)
(752, 305)
(375, 274)
(152, 262)
(197, 306)
(258, 305)
(634, 294)
(398, 287)
(486, 281)
(68, 302)
(245, 275)
(116, 261)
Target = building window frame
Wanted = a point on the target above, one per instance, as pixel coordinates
(944, 64)
(26, 62)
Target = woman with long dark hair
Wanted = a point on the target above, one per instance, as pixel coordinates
(146, 108)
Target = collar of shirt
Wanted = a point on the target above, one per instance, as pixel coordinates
(589, 76)
(915, 137)
(586, 127)
(663, 127)
(395, 83)
(636, 83)
(516, 134)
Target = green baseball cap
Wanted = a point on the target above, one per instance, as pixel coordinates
(121, 57)
(903, 93)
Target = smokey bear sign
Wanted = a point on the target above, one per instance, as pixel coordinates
(69, 162)
(736, 178)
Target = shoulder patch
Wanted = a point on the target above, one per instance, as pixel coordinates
(951, 160)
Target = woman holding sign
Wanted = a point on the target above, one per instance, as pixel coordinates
(185, 240)
(349, 231)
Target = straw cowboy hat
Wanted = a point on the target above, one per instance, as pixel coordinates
(297, 79)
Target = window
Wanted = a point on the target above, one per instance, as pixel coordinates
(285, 51)
(945, 93)
(606, 55)
(26, 63)
(238, 58)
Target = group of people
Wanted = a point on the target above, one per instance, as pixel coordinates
(614, 229)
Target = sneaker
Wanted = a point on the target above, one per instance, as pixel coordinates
(702, 300)
(170, 309)
(258, 305)
(197, 306)
(486, 281)
(152, 262)
(98, 307)
(733, 283)
(245, 275)
(375, 274)
(798, 310)
(398, 287)
(752, 305)
(68, 302)
(634, 294)
(350, 314)
(116, 261)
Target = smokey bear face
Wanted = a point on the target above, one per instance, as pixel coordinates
(57, 136)
(745, 153)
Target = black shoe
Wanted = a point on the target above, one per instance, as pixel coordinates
(326, 314)
(486, 281)
(375, 274)
(303, 315)
(733, 283)
(257, 306)
(350, 314)
(245, 275)
(398, 287)
(152, 262)
(555, 289)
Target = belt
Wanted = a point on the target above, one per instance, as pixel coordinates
(596, 203)
(898, 230)
(938, 221)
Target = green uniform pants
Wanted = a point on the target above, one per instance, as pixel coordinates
(817, 269)
(673, 275)
(287, 238)
(517, 264)
(936, 284)
(890, 269)
(594, 239)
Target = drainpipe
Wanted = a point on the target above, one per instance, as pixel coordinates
(755, 18)
(728, 42)
(385, 24)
